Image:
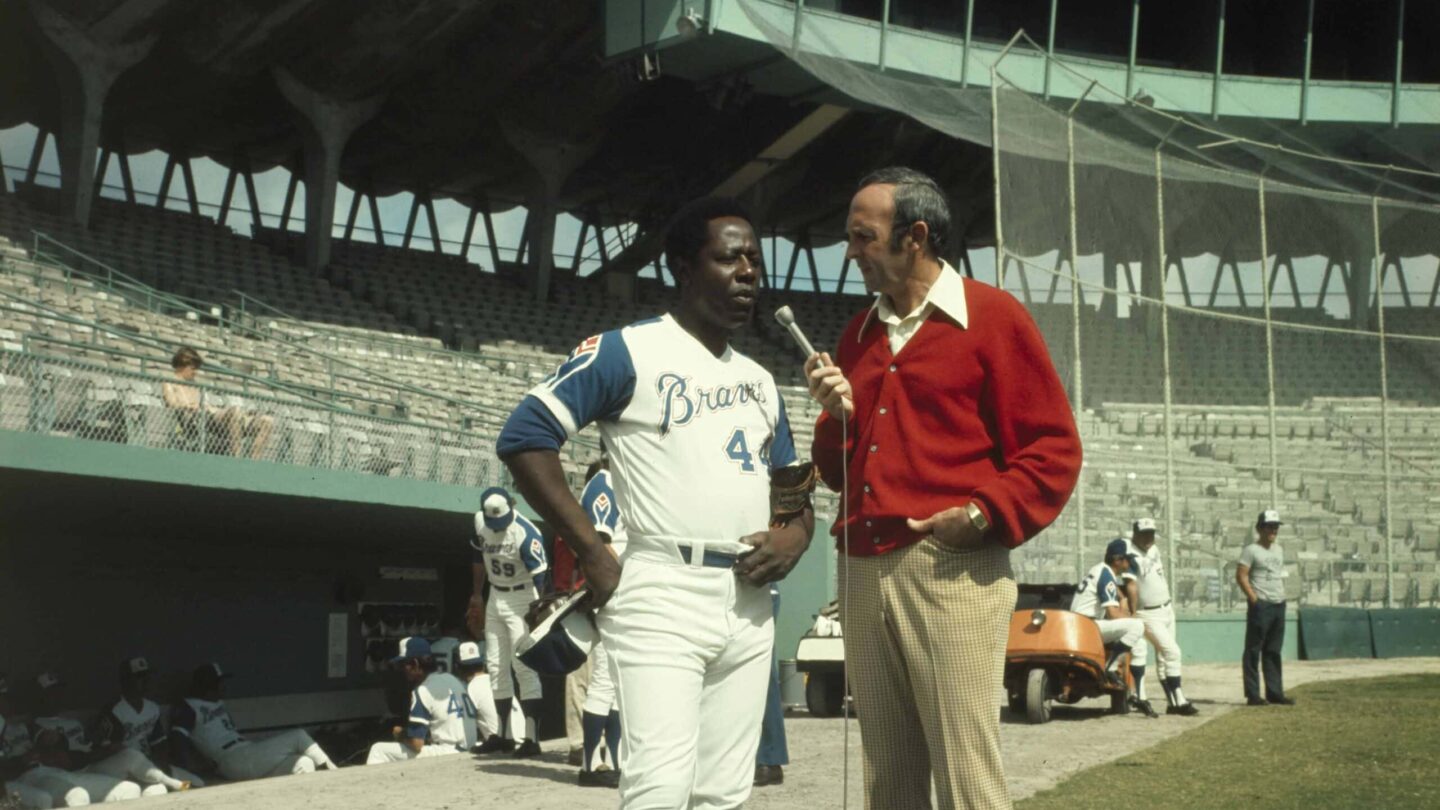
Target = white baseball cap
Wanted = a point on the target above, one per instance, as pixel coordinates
(1268, 517)
(135, 666)
(47, 680)
(495, 510)
(1143, 525)
(469, 654)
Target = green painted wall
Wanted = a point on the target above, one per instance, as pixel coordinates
(1222, 637)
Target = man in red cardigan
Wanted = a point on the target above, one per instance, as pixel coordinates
(958, 445)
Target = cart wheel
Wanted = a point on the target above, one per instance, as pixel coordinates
(1037, 696)
(824, 694)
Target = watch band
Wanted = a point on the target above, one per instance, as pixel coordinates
(977, 517)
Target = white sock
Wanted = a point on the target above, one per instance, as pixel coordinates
(531, 728)
(1180, 697)
(157, 776)
(318, 754)
(153, 790)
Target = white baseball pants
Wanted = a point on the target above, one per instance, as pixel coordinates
(1160, 630)
(600, 694)
(505, 625)
(127, 763)
(77, 788)
(1126, 631)
(690, 653)
(382, 752)
(288, 752)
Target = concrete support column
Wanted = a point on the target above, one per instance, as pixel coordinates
(327, 125)
(1110, 302)
(553, 160)
(86, 65)
(1359, 285)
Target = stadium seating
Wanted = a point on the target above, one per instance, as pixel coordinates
(378, 334)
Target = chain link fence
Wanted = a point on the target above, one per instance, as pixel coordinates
(61, 396)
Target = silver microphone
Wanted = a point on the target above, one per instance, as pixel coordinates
(787, 320)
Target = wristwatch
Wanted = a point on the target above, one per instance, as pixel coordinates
(977, 518)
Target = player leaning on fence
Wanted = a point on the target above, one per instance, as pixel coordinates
(961, 447)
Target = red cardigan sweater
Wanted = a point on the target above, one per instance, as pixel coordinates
(959, 414)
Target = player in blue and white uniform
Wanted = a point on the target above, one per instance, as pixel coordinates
(204, 734)
(442, 718)
(134, 724)
(599, 718)
(699, 446)
(1149, 593)
(1099, 598)
(510, 555)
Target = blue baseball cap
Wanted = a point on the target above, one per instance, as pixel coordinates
(1116, 548)
(562, 642)
(413, 647)
(495, 509)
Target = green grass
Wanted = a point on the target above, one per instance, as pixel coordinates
(1371, 743)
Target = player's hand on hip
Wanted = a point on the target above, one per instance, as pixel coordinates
(950, 527)
(829, 387)
(775, 553)
(602, 574)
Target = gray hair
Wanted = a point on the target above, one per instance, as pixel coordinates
(918, 198)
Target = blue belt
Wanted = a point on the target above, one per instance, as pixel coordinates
(1156, 607)
(508, 588)
(711, 559)
(227, 746)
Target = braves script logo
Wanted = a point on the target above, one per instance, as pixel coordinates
(681, 404)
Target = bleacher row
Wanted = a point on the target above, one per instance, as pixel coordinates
(389, 313)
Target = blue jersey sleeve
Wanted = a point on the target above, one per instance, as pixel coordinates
(781, 450)
(531, 426)
(598, 501)
(1108, 591)
(595, 382)
(532, 548)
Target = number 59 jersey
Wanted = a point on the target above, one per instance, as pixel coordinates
(512, 556)
(692, 437)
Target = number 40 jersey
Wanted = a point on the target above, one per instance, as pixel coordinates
(691, 436)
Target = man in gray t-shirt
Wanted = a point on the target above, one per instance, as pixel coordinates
(1261, 575)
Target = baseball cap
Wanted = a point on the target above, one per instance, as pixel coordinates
(413, 647)
(562, 642)
(209, 674)
(1268, 517)
(1143, 525)
(469, 654)
(132, 667)
(495, 509)
(1117, 548)
(48, 680)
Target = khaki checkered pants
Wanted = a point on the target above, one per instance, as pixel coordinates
(925, 631)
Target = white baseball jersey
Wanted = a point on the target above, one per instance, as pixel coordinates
(1148, 569)
(1098, 590)
(672, 414)
(75, 737)
(124, 725)
(441, 712)
(598, 501)
(207, 724)
(512, 557)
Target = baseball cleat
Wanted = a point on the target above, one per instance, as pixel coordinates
(1186, 709)
(495, 745)
(1256, 702)
(527, 749)
(1144, 707)
(600, 779)
(769, 775)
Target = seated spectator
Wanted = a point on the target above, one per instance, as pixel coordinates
(204, 739)
(134, 723)
(227, 427)
(441, 718)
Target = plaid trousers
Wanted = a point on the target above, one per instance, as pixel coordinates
(925, 629)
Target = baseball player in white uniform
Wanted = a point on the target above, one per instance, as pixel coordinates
(1149, 593)
(205, 731)
(702, 458)
(510, 554)
(25, 783)
(442, 718)
(134, 723)
(1099, 598)
(599, 719)
(65, 743)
